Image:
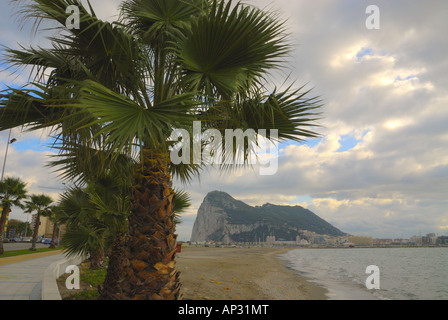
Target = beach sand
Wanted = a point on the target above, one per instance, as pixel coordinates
(241, 274)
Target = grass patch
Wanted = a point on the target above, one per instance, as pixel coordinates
(89, 281)
(22, 252)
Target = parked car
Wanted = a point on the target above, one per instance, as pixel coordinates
(27, 239)
(46, 240)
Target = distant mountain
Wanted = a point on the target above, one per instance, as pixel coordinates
(222, 218)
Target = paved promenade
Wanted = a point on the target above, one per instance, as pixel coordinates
(21, 276)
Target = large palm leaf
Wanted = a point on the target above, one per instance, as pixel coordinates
(82, 164)
(125, 122)
(98, 50)
(110, 54)
(230, 47)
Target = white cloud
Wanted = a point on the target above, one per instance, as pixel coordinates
(30, 167)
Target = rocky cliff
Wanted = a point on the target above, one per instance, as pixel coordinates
(222, 218)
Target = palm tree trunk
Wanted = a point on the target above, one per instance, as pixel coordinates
(149, 272)
(35, 233)
(55, 227)
(5, 212)
(115, 268)
(97, 259)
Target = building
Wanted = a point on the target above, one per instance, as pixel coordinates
(416, 240)
(46, 227)
(442, 240)
(360, 240)
(272, 241)
(400, 242)
(382, 242)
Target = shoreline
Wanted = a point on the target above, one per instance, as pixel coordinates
(242, 274)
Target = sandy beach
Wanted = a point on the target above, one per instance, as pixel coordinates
(241, 274)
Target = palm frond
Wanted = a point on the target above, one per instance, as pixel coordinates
(154, 19)
(112, 55)
(229, 46)
(39, 203)
(24, 108)
(12, 191)
(75, 207)
(181, 200)
(82, 163)
(82, 240)
(127, 124)
(290, 112)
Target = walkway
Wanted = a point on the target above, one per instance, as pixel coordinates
(21, 276)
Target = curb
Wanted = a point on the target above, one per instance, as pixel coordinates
(50, 289)
(25, 257)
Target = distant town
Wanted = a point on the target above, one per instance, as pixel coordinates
(314, 240)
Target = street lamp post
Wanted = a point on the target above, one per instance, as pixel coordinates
(10, 141)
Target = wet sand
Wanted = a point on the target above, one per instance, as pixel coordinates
(241, 274)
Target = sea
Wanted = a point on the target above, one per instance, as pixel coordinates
(375, 273)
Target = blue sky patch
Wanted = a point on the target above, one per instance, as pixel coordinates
(364, 52)
(301, 199)
(38, 145)
(348, 142)
(412, 76)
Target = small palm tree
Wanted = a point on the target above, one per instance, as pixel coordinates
(93, 217)
(41, 205)
(84, 227)
(12, 192)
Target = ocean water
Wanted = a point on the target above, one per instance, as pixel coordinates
(404, 273)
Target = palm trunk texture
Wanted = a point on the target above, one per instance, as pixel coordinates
(117, 261)
(149, 272)
(36, 233)
(3, 218)
(96, 259)
(53, 236)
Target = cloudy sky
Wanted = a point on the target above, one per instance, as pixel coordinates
(381, 166)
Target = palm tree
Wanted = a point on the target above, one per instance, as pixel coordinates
(94, 216)
(121, 89)
(53, 218)
(84, 229)
(39, 203)
(117, 258)
(12, 192)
